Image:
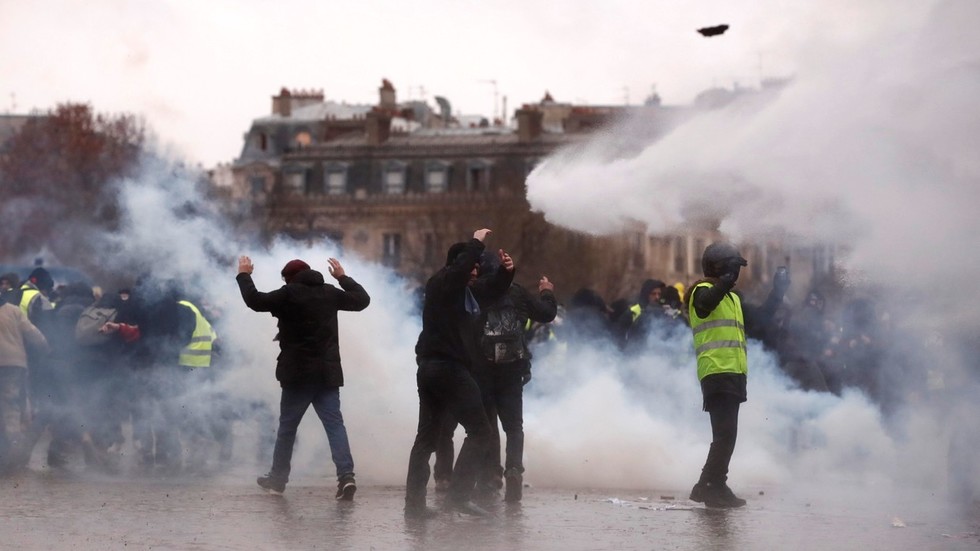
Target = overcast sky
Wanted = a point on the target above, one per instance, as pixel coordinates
(200, 71)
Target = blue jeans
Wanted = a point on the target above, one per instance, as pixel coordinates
(292, 407)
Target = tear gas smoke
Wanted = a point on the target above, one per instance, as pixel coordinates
(170, 233)
(865, 149)
(871, 145)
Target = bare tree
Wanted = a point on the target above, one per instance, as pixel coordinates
(57, 173)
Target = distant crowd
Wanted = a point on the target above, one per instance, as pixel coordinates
(87, 368)
(104, 377)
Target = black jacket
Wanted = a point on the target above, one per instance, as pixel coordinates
(165, 327)
(307, 312)
(541, 307)
(444, 316)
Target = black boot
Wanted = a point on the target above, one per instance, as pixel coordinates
(272, 483)
(715, 495)
(514, 488)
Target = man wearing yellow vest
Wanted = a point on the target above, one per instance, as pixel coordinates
(34, 294)
(719, 326)
(197, 352)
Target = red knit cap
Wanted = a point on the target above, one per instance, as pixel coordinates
(292, 268)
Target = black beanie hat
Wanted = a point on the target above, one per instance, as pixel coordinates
(42, 279)
(454, 251)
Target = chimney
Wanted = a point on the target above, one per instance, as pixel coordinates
(378, 127)
(529, 125)
(387, 95)
(283, 103)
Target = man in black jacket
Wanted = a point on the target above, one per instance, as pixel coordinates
(502, 366)
(308, 368)
(445, 385)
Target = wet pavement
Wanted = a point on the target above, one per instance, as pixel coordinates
(43, 510)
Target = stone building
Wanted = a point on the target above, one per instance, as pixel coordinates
(398, 183)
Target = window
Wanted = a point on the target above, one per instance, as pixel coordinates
(394, 178)
(436, 177)
(336, 179)
(263, 141)
(257, 184)
(478, 176)
(391, 253)
(699, 247)
(295, 180)
(636, 248)
(680, 255)
(752, 254)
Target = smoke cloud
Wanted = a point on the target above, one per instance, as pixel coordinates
(871, 145)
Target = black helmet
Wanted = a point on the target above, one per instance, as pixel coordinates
(718, 256)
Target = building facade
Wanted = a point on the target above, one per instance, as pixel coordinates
(397, 184)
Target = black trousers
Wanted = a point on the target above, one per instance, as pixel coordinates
(447, 387)
(502, 389)
(723, 409)
(503, 397)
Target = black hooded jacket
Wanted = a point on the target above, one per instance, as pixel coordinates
(444, 317)
(307, 309)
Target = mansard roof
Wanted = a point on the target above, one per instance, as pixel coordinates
(320, 111)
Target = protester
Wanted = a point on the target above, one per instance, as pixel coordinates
(720, 345)
(308, 368)
(587, 318)
(450, 308)
(502, 366)
(17, 334)
(634, 325)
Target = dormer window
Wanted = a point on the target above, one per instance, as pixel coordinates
(394, 178)
(437, 177)
(257, 184)
(295, 180)
(478, 176)
(335, 179)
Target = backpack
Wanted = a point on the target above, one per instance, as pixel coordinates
(88, 325)
(502, 338)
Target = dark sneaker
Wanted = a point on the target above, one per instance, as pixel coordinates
(272, 484)
(514, 483)
(699, 492)
(346, 488)
(727, 498)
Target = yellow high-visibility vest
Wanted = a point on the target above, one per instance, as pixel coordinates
(197, 353)
(719, 339)
(28, 294)
(636, 310)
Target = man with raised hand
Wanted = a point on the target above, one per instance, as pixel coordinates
(445, 384)
(308, 367)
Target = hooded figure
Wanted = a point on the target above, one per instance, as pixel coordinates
(636, 322)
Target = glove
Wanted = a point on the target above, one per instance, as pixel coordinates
(525, 377)
(730, 275)
(781, 281)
